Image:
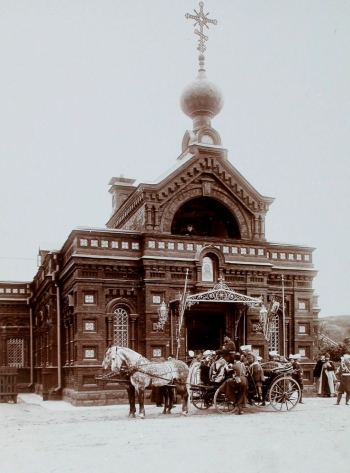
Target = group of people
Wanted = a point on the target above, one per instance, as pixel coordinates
(230, 368)
(332, 382)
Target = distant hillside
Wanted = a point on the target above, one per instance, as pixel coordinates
(336, 327)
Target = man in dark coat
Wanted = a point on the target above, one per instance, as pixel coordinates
(318, 370)
(235, 387)
(228, 350)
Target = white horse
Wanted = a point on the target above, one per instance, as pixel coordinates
(144, 374)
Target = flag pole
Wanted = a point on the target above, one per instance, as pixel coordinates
(181, 316)
(283, 319)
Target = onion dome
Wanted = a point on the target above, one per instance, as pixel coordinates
(201, 100)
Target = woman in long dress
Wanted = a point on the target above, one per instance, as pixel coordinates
(327, 378)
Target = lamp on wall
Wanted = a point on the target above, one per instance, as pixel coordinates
(163, 312)
(263, 314)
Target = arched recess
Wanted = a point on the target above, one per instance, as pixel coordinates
(204, 216)
(172, 207)
(121, 319)
(217, 258)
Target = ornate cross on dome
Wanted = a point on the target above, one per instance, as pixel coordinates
(201, 20)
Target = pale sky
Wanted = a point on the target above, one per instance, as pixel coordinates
(90, 90)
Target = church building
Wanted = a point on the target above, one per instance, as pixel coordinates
(181, 261)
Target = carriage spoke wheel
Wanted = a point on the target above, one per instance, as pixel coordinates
(201, 399)
(284, 394)
(222, 404)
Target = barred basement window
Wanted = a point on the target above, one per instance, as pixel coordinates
(15, 352)
(120, 327)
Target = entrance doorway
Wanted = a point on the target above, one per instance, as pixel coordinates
(205, 331)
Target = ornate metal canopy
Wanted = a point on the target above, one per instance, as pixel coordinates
(222, 293)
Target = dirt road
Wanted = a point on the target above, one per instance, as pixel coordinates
(52, 437)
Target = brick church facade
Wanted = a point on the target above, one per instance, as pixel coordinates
(201, 224)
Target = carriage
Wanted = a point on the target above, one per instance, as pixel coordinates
(280, 390)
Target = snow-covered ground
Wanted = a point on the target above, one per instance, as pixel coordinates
(54, 436)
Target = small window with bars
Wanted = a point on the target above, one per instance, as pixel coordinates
(15, 352)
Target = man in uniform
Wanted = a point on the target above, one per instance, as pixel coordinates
(298, 373)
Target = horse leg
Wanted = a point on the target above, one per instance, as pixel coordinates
(170, 393)
(184, 397)
(132, 399)
(141, 397)
(165, 398)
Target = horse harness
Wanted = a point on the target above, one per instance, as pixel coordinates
(136, 368)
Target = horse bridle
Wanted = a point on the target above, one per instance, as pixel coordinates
(123, 367)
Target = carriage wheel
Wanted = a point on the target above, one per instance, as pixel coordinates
(284, 393)
(200, 399)
(222, 404)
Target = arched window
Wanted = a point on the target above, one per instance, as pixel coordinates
(207, 269)
(120, 327)
(274, 333)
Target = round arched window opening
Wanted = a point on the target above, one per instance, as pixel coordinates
(204, 216)
(121, 327)
(207, 269)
